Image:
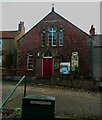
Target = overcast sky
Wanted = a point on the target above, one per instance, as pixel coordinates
(81, 14)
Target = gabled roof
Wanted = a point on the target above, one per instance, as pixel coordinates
(72, 24)
(53, 12)
(8, 34)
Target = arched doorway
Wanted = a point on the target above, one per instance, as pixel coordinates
(47, 64)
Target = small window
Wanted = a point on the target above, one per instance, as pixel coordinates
(47, 54)
(43, 38)
(30, 61)
(0, 44)
(0, 60)
(61, 38)
(52, 36)
(74, 60)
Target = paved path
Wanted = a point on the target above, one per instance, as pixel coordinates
(68, 101)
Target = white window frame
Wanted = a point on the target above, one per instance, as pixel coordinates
(74, 61)
(0, 44)
(0, 60)
(61, 38)
(51, 31)
(28, 61)
(43, 34)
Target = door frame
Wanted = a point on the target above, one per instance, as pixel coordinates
(52, 65)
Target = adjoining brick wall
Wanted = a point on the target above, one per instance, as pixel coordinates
(38, 69)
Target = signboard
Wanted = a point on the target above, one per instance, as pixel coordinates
(65, 68)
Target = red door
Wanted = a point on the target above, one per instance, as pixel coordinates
(47, 67)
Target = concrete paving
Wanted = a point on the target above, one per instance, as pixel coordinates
(68, 101)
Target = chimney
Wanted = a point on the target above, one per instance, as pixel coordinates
(92, 30)
(21, 27)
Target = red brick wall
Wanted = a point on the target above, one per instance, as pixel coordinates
(39, 67)
(74, 39)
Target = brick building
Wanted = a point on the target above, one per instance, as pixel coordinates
(8, 46)
(54, 47)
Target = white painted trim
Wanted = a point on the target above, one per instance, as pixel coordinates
(42, 67)
(48, 57)
(60, 45)
(53, 45)
(30, 69)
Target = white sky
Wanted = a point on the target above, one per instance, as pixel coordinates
(81, 14)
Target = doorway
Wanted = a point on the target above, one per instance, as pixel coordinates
(47, 67)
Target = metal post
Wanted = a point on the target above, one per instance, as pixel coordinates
(25, 84)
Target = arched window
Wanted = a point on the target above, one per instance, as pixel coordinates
(61, 38)
(43, 38)
(74, 60)
(0, 61)
(0, 44)
(47, 54)
(30, 61)
(52, 36)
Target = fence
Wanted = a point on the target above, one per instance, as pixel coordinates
(13, 90)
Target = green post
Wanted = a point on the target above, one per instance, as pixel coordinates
(12, 92)
(25, 84)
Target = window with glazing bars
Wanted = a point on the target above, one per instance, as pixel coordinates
(30, 61)
(74, 60)
(43, 38)
(52, 36)
(61, 38)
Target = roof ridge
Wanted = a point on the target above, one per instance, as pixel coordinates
(58, 15)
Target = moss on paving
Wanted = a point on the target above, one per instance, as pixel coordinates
(77, 117)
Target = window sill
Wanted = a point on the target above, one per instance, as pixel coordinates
(54, 45)
(30, 69)
(60, 45)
